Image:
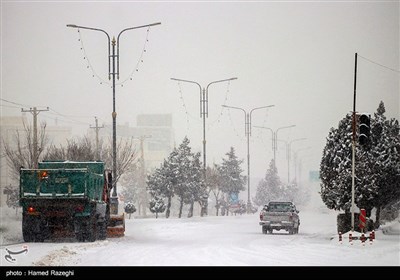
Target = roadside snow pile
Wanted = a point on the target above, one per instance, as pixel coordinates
(55, 258)
(392, 228)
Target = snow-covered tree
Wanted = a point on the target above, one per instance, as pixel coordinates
(180, 175)
(196, 189)
(385, 159)
(214, 185)
(292, 193)
(232, 180)
(130, 208)
(335, 168)
(161, 182)
(376, 168)
(189, 186)
(130, 186)
(269, 188)
(157, 205)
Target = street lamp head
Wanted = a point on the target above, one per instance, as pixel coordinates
(72, 25)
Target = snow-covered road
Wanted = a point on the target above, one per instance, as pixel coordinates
(215, 241)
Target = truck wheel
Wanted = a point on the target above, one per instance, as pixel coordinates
(102, 226)
(264, 230)
(291, 230)
(28, 229)
(31, 229)
(91, 229)
(79, 228)
(270, 230)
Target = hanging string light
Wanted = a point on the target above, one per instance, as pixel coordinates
(234, 127)
(140, 60)
(259, 132)
(104, 81)
(217, 120)
(89, 65)
(184, 106)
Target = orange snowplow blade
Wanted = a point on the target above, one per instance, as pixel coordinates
(116, 227)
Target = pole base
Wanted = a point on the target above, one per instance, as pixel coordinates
(114, 205)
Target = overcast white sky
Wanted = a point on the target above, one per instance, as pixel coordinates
(296, 55)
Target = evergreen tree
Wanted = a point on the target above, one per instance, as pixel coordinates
(196, 189)
(385, 159)
(335, 168)
(157, 205)
(292, 192)
(376, 168)
(182, 165)
(179, 175)
(129, 208)
(161, 183)
(232, 180)
(269, 188)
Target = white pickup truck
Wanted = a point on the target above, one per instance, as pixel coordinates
(279, 215)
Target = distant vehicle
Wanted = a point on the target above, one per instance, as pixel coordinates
(279, 216)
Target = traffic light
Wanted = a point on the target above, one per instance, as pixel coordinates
(364, 129)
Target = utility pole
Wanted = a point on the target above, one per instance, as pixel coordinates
(35, 112)
(97, 128)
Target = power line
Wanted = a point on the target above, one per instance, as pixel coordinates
(381, 65)
(15, 103)
(69, 117)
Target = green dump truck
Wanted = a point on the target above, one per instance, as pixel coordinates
(65, 199)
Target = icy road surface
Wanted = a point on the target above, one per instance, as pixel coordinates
(215, 241)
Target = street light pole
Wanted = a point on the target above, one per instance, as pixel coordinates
(289, 155)
(115, 71)
(247, 131)
(204, 111)
(295, 162)
(274, 138)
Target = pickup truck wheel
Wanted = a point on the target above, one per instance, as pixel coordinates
(264, 230)
(270, 231)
